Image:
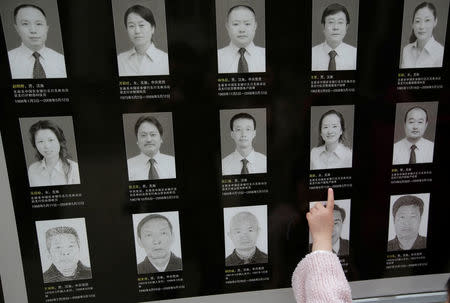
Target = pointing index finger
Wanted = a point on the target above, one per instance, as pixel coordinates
(330, 201)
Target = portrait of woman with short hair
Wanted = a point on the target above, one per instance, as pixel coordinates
(144, 58)
(333, 150)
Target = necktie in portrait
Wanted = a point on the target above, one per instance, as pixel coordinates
(332, 63)
(152, 173)
(242, 65)
(244, 170)
(412, 155)
(38, 70)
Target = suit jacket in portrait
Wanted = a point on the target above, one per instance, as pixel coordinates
(420, 243)
(233, 259)
(344, 247)
(53, 275)
(146, 267)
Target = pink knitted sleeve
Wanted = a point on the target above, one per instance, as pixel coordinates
(319, 278)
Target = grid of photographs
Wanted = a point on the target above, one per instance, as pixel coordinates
(176, 148)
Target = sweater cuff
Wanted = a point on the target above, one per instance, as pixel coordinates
(319, 251)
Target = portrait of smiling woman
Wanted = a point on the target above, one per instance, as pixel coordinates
(54, 165)
(144, 58)
(333, 149)
(423, 50)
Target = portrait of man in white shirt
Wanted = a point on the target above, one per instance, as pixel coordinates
(413, 148)
(333, 53)
(241, 55)
(32, 59)
(150, 163)
(244, 159)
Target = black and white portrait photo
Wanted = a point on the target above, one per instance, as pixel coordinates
(158, 242)
(150, 146)
(341, 230)
(243, 138)
(241, 36)
(408, 222)
(245, 235)
(33, 39)
(141, 37)
(331, 136)
(415, 128)
(334, 35)
(423, 33)
(50, 150)
(64, 250)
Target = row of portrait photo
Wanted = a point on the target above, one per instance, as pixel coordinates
(51, 156)
(408, 223)
(35, 46)
(65, 254)
(332, 128)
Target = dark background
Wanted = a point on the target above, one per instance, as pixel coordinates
(97, 111)
(1, 293)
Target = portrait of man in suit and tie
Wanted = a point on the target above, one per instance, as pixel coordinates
(240, 24)
(149, 137)
(332, 53)
(414, 133)
(241, 132)
(158, 244)
(29, 29)
(341, 230)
